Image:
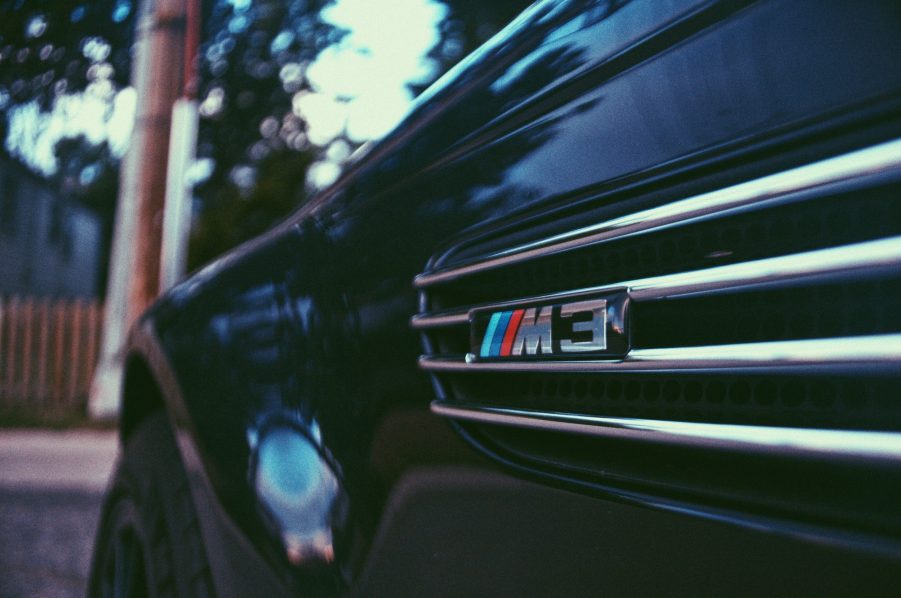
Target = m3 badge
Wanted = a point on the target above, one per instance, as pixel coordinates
(587, 326)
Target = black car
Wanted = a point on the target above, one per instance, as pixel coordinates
(616, 310)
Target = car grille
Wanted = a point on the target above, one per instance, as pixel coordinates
(765, 313)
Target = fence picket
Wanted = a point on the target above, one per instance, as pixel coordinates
(94, 316)
(4, 399)
(12, 387)
(43, 350)
(48, 351)
(74, 354)
(59, 335)
(27, 351)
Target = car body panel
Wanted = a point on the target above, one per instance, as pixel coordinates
(577, 112)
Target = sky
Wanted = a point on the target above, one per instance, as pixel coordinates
(359, 88)
(99, 113)
(360, 84)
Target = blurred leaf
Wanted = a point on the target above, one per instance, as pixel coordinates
(252, 63)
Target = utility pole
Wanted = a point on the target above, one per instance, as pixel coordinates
(182, 150)
(157, 75)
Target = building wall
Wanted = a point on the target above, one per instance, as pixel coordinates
(49, 245)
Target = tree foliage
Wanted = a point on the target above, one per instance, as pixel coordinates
(469, 24)
(252, 65)
(52, 47)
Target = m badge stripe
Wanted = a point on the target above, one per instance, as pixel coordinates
(501, 333)
(498, 339)
(489, 335)
(507, 343)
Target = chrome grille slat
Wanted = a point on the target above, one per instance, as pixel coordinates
(862, 164)
(859, 258)
(439, 320)
(803, 328)
(835, 353)
(832, 443)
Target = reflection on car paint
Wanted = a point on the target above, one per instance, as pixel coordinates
(296, 489)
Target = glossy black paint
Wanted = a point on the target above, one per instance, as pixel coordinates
(302, 337)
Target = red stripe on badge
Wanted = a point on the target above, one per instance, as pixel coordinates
(515, 319)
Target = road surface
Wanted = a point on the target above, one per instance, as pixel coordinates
(51, 486)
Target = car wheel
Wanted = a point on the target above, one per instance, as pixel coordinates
(148, 541)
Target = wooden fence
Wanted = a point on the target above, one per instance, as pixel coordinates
(48, 350)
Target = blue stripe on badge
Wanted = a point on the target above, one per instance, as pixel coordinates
(489, 335)
(499, 333)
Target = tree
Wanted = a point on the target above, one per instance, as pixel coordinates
(52, 47)
(240, 215)
(468, 25)
(252, 66)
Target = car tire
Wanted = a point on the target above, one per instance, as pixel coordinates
(148, 540)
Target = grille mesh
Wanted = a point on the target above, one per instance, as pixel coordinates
(795, 401)
(832, 221)
(814, 311)
(862, 298)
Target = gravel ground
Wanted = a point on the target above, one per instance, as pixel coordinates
(51, 487)
(45, 541)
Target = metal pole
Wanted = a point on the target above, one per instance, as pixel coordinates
(182, 149)
(177, 218)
